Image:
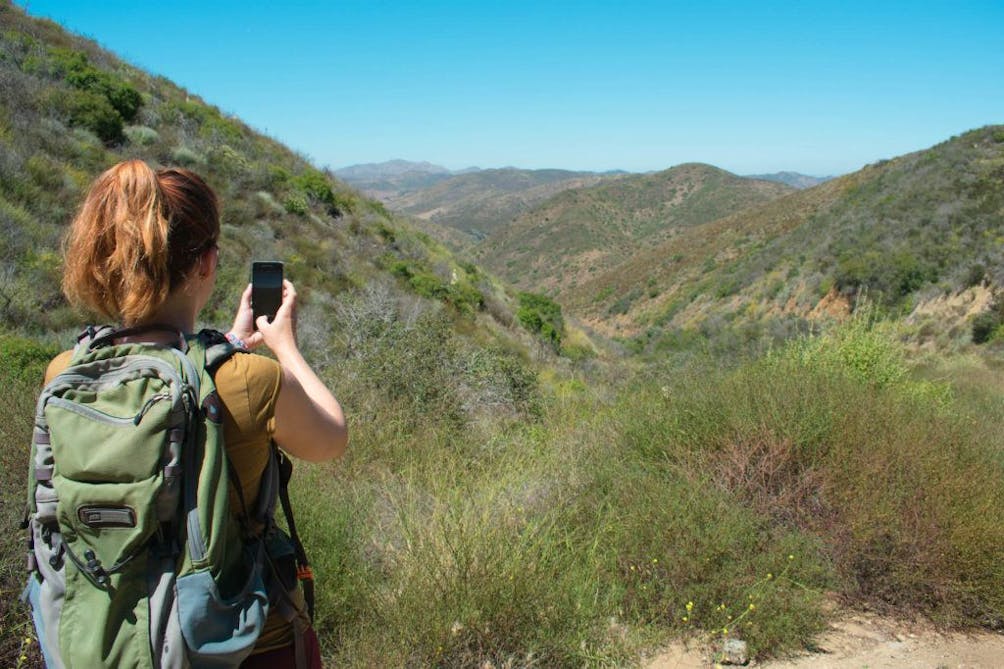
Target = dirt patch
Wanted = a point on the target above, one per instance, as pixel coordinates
(863, 640)
(834, 305)
(954, 308)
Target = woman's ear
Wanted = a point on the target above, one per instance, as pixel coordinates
(208, 261)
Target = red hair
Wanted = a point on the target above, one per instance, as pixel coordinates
(137, 236)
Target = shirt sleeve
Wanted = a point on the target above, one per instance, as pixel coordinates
(57, 365)
(248, 386)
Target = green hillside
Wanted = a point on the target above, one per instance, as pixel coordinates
(70, 110)
(904, 232)
(480, 203)
(583, 232)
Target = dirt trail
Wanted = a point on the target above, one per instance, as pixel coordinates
(864, 641)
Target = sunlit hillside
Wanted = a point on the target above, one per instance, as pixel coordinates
(481, 203)
(580, 233)
(70, 109)
(906, 232)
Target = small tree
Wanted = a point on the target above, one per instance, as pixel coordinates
(541, 315)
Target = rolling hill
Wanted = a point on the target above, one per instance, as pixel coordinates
(479, 203)
(586, 231)
(905, 232)
(793, 179)
(386, 180)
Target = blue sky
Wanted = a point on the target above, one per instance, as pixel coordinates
(819, 88)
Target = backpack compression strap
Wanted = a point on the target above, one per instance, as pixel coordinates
(303, 570)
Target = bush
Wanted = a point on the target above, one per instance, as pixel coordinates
(832, 438)
(316, 186)
(142, 135)
(187, 157)
(541, 315)
(228, 161)
(25, 360)
(22, 363)
(79, 73)
(975, 276)
(465, 298)
(91, 111)
(985, 324)
(296, 203)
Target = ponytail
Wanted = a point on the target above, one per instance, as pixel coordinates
(136, 237)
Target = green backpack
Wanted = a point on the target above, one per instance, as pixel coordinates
(137, 559)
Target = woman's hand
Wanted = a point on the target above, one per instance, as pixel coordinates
(280, 334)
(243, 327)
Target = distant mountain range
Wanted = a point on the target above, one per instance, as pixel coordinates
(471, 203)
(388, 170)
(793, 179)
(584, 231)
(388, 179)
(477, 202)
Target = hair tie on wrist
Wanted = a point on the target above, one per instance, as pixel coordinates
(236, 341)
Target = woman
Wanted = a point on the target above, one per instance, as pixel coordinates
(143, 251)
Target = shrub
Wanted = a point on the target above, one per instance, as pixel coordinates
(985, 324)
(317, 187)
(187, 157)
(541, 315)
(465, 297)
(228, 161)
(91, 111)
(976, 275)
(79, 73)
(833, 438)
(25, 360)
(142, 135)
(428, 285)
(296, 203)
(862, 348)
(22, 363)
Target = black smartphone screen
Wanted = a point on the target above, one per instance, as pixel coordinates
(266, 288)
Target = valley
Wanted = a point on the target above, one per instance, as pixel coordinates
(596, 418)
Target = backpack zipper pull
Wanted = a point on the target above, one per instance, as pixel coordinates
(94, 567)
(146, 407)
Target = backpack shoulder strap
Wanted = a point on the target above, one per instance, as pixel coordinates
(303, 571)
(87, 337)
(218, 349)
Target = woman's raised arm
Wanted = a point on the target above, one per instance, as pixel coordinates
(309, 422)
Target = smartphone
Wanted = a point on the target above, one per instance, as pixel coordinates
(266, 288)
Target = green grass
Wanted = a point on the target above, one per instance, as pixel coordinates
(693, 499)
(22, 363)
(700, 501)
